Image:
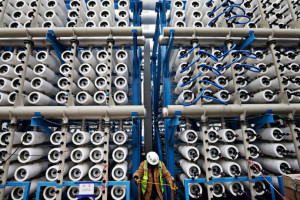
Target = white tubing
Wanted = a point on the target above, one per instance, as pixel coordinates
(102, 57)
(34, 137)
(27, 155)
(231, 168)
(4, 138)
(101, 83)
(212, 136)
(252, 149)
(121, 83)
(49, 192)
(190, 169)
(72, 192)
(293, 162)
(20, 17)
(26, 172)
(191, 153)
(41, 85)
(87, 71)
(106, 16)
(215, 170)
(228, 135)
(52, 172)
(97, 138)
(251, 134)
(290, 147)
(245, 167)
(214, 152)
(61, 97)
(6, 85)
(55, 154)
(188, 136)
(65, 69)
(63, 84)
(273, 149)
(43, 71)
(97, 154)
(81, 137)
(195, 189)
(68, 57)
(47, 59)
(183, 80)
(57, 137)
(120, 98)
(119, 171)
(259, 84)
(84, 98)
(119, 137)
(271, 134)
(39, 99)
(229, 151)
(88, 58)
(235, 188)
(275, 165)
(7, 71)
(218, 190)
(16, 82)
(96, 172)
(118, 192)
(87, 85)
(79, 171)
(29, 72)
(124, 16)
(80, 154)
(119, 154)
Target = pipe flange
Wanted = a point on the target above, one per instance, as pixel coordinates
(30, 42)
(229, 41)
(271, 42)
(75, 41)
(194, 41)
(110, 40)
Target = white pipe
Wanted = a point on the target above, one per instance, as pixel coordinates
(94, 5)
(18, 192)
(179, 74)
(118, 192)
(71, 24)
(194, 17)
(124, 16)
(102, 57)
(6, 85)
(121, 84)
(188, 136)
(191, 153)
(119, 154)
(229, 151)
(195, 189)
(252, 149)
(92, 16)
(106, 16)
(81, 137)
(39, 99)
(11, 170)
(4, 99)
(215, 170)
(79, 171)
(265, 96)
(97, 154)
(44, 72)
(20, 17)
(119, 137)
(50, 15)
(9, 58)
(212, 136)
(290, 148)
(29, 72)
(69, 58)
(273, 149)
(251, 134)
(223, 95)
(97, 138)
(84, 98)
(102, 69)
(61, 97)
(15, 25)
(122, 24)
(80, 154)
(185, 79)
(124, 5)
(57, 137)
(214, 152)
(72, 192)
(101, 83)
(187, 96)
(260, 83)
(63, 84)
(4, 138)
(6, 71)
(231, 168)
(293, 163)
(49, 192)
(22, 6)
(65, 69)
(14, 157)
(120, 98)
(176, 5)
(235, 188)
(55, 154)
(53, 171)
(119, 171)
(123, 57)
(15, 84)
(87, 71)
(108, 5)
(29, 171)
(46, 58)
(41, 85)
(87, 85)
(259, 186)
(34, 137)
(228, 135)
(218, 190)
(27, 155)
(88, 58)
(190, 169)
(275, 165)
(96, 172)
(245, 167)
(178, 16)
(90, 24)
(271, 134)
(122, 70)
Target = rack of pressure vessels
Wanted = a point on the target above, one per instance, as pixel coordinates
(182, 28)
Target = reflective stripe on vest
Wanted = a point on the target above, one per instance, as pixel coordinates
(145, 177)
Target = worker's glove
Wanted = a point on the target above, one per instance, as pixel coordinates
(136, 179)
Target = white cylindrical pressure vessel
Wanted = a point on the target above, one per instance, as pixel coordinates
(259, 84)
(271, 134)
(97, 138)
(87, 85)
(41, 85)
(102, 57)
(57, 137)
(183, 85)
(16, 84)
(186, 97)
(118, 192)
(293, 163)
(15, 152)
(214, 152)
(72, 192)
(255, 167)
(63, 83)
(265, 96)
(4, 99)
(39, 99)
(19, 191)
(11, 169)
(119, 154)
(45, 72)
(34, 137)
(119, 137)
(29, 72)
(119, 171)
(5, 135)
(122, 57)
(96, 172)
(253, 150)
(65, 69)
(195, 189)
(259, 186)
(87, 71)
(27, 155)
(190, 169)
(29, 171)
(84, 98)
(7, 71)
(218, 190)
(9, 58)
(52, 172)
(79, 171)
(107, 16)
(80, 154)
(69, 58)
(275, 165)
(251, 134)
(290, 148)
(212, 136)
(49, 192)
(55, 154)
(89, 58)
(15, 24)
(122, 70)
(102, 69)
(188, 136)
(235, 188)
(191, 153)
(62, 97)
(81, 137)
(273, 149)
(121, 83)
(97, 154)
(121, 98)
(100, 97)
(6, 85)
(228, 135)
(229, 151)
(215, 170)
(231, 168)
(46, 58)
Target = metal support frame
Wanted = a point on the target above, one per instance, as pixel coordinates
(26, 186)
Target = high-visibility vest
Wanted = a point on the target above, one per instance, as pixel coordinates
(145, 177)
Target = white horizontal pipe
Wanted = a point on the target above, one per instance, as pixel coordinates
(251, 134)
(271, 134)
(5, 135)
(54, 155)
(61, 97)
(218, 190)
(53, 171)
(101, 83)
(72, 192)
(119, 154)
(56, 137)
(39, 99)
(118, 192)
(27, 155)
(255, 167)
(63, 83)
(252, 149)
(96, 172)
(188, 136)
(6, 85)
(81, 137)
(235, 188)
(102, 69)
(119, 171)
(9, 58)
(191, 153)
(13, 157)
(84, 98)
(16, 83)
(45, 72)
(44, 86)
(79, 171)
(86, 84)
(29, 72)
(228, 135)
(190, 169)
(97, 154)
(80, 154)
(215, 170)
(214, 152)
(19, 191)
(7, 71)
(231, 168)
(65, 69)
(278, 166)
(119, 137)
(87, 71)
(97, 138)
(47, 59)
(121, 98)
(34, 137)
(88, 58)
(229, 151)
(212, 135)
(259, 186)
(195, 189)
(49, 192)
(29, 171)
(4, 99)
(273, 149)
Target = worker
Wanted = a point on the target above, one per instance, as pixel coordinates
(152, 189)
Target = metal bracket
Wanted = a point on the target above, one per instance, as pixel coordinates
(174, 122)
(58, 47)
(248, 41)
